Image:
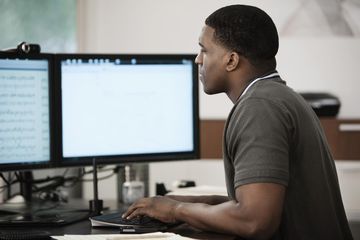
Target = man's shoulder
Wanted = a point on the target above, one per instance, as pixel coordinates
(267, 93)
(275, 93)
(269, 89)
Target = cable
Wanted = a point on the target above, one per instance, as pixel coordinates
(114, 171)
(101, 178)
(81, 175)
(51, 183)
(8, 182)
(4, 179)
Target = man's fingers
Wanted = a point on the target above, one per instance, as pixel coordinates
(135, 213)
(125, 214)
(133, 207)
(129, 210)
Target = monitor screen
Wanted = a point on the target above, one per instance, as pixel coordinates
(122, 108)
(24, 111)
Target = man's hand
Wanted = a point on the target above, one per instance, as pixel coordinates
(161, 208)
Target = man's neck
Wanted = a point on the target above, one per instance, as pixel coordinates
(241, 82)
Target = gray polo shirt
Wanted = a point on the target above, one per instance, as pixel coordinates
(273, 136)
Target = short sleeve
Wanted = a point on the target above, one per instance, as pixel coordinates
(258, 142)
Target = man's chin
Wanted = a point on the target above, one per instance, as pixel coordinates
(209, 91)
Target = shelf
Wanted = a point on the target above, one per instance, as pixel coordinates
(343, 136)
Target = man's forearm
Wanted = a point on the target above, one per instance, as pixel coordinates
(207, 199)
(219, 218)
(256, 213)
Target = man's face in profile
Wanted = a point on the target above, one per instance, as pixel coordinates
(212, 62)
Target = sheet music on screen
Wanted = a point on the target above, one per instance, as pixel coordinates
(24, 111)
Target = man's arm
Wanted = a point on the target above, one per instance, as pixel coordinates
(207, 199)
(256, 214)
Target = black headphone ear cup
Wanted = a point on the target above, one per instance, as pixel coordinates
(23, 47)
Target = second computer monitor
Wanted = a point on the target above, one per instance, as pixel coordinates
(126, 108)
(25, 111)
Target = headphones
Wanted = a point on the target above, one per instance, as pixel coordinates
(25, 48)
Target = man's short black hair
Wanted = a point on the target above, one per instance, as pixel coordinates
(247, 30)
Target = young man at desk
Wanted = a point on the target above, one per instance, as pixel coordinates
(280, 175)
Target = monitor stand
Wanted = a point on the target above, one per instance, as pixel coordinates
(23, 202)
(26, 210)
(26, 179)
(96, 204)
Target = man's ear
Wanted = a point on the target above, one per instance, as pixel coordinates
(233, 61)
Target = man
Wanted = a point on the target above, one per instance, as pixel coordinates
(280, 175)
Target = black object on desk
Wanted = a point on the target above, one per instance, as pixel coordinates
(324, 104)
(142, 224)
(25, 235)
(48, 218)
(41, 213)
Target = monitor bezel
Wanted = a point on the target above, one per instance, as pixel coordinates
(34, 164)
(133, 158)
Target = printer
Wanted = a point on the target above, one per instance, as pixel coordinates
(324, 104)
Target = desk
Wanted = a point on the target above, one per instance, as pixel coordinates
(84, 227)
(184, 230)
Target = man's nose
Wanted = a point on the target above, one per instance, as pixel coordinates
(197, 59)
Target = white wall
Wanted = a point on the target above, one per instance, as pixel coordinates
(173, 26)
(169, 26)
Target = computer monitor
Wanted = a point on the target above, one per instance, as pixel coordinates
(127, 108)
(71, 109)
(25, 111)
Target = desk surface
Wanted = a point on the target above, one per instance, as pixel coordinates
(184, 230)
(84, 227)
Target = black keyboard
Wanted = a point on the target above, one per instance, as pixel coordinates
(116, 219)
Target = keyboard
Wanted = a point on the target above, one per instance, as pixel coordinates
(115, 219)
